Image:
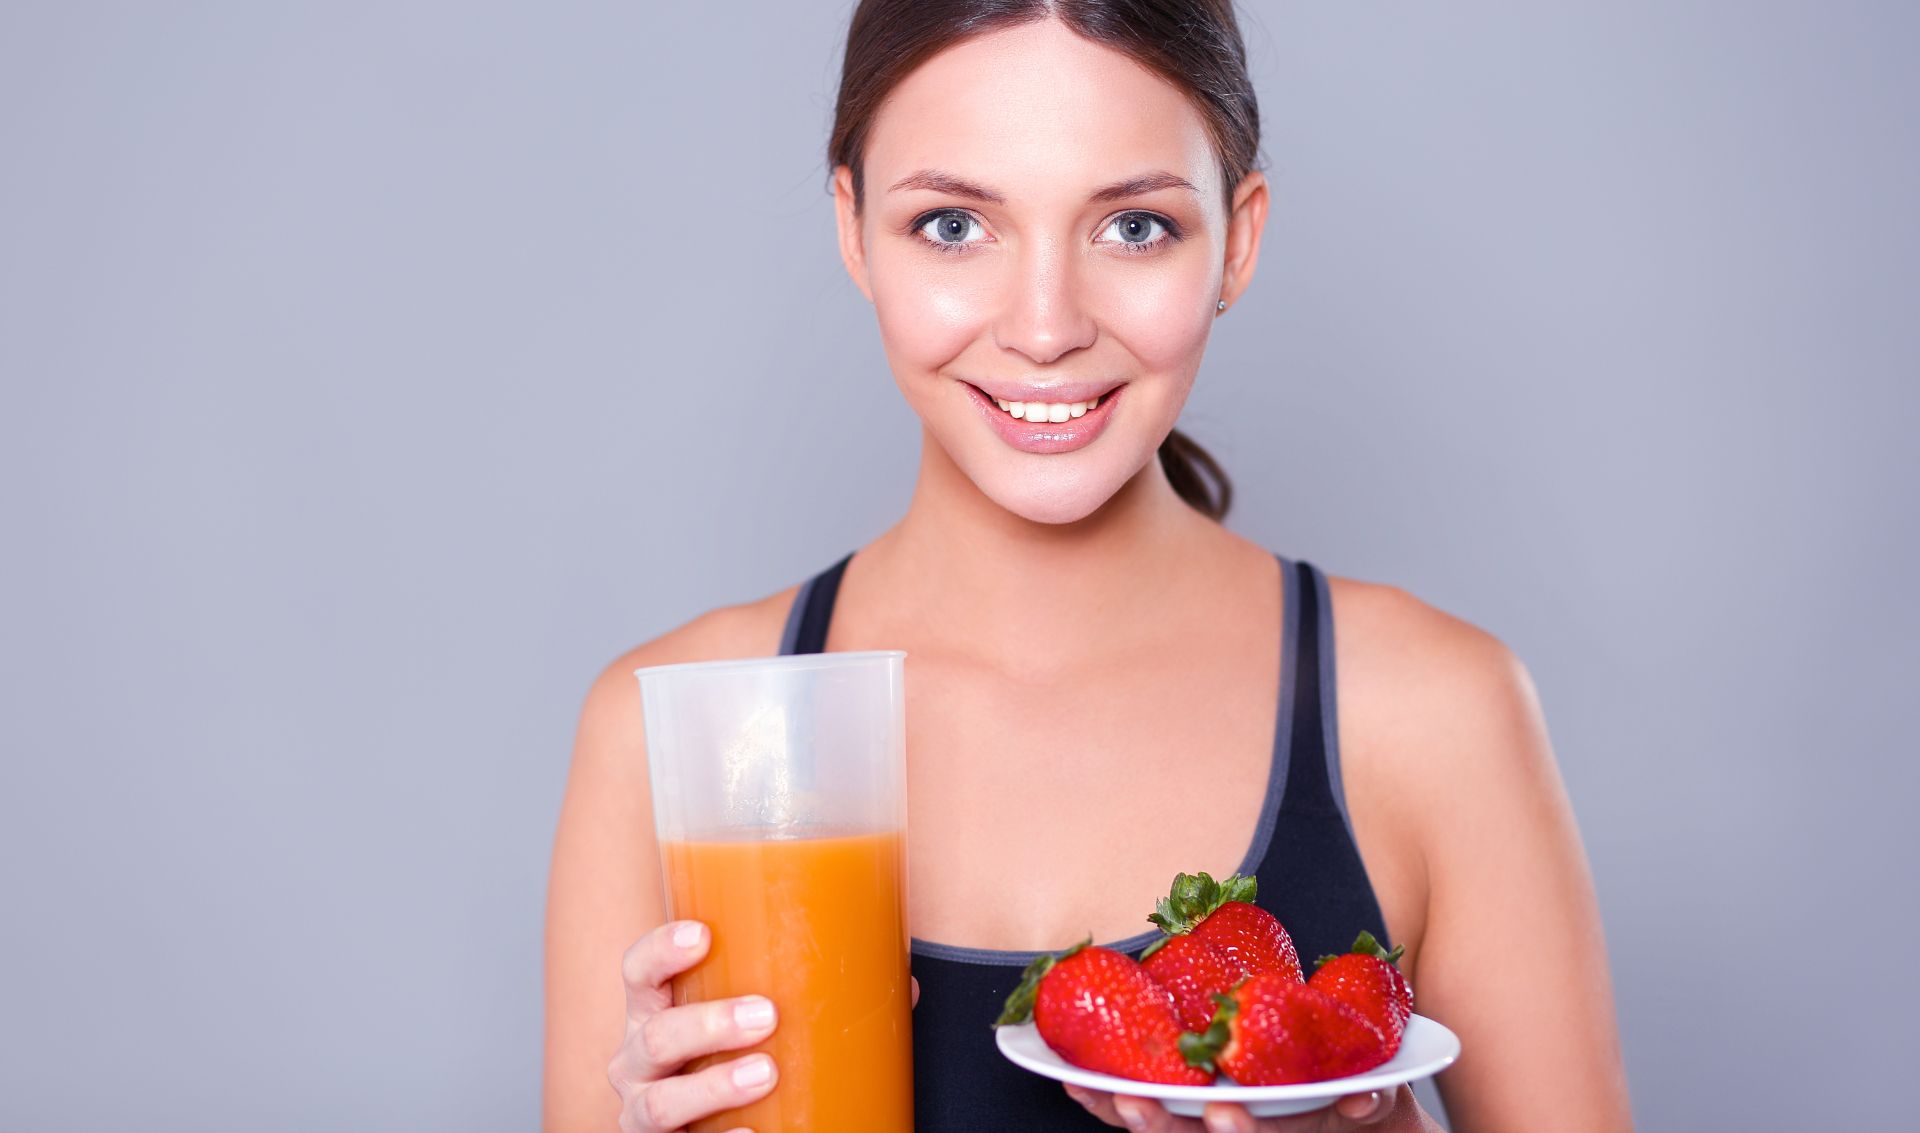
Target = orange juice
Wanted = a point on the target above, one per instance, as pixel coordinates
(819, 926)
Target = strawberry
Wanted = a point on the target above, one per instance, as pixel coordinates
(1273, 1030)
(1194, 972)
(1220, 913)
(1368, 980)
(1099, 1010)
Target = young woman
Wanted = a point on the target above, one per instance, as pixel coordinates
(1048, 203)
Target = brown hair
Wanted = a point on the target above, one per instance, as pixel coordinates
(1195, 44)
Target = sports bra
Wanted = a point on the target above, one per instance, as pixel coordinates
(1311, 878)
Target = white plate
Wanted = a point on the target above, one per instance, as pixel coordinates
(1426, 1049)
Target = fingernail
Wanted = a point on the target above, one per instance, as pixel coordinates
(686, 934)
(755, 1071)
(1219, 1123)
(753, 1013)
(1134, 1119)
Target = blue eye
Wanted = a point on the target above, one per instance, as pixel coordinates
(948, 230)
(1136, 231)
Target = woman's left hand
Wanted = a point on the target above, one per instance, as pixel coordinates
(1379, 1110)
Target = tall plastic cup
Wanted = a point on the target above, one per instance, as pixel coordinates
(779, 796)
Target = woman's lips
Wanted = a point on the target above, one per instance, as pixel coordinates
(1046, 436)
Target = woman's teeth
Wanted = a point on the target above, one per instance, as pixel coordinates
(1047, 410)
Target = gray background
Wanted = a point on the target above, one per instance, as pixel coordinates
(375, 373)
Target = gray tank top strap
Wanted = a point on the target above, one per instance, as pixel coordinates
(1329, 714)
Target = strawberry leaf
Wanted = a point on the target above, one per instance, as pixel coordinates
(1019, 1005)
(1366, 945)
(1194, 897)
(1202, 1048)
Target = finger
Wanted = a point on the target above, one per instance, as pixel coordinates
(1223, 1118)
(657, 957)
(1366, 1109)
(1143, 1115)
(1097, 1103)
(916, 989)
(672, 1103)
(671, 1038)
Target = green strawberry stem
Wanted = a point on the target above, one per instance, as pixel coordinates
(1193, 899)
(1202, 1048)
(1019, 1005)
(1366, 945)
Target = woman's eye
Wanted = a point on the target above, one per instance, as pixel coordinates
(1135, 231)
(948, 231)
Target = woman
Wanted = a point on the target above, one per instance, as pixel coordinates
(1047, 205)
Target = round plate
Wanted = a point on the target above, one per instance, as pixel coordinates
(1426, 1049)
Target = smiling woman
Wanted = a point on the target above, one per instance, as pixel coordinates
(1149, 247)
(1048, 205)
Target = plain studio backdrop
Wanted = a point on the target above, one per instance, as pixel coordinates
(375, 373)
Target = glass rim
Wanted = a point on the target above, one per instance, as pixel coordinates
(784, 661)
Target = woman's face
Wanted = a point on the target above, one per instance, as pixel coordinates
(1043, 231)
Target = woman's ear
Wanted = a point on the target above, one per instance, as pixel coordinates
(853, 251)
(1244, 225)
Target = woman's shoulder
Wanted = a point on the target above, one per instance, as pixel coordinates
(1390, 632)
(1440, 741)
(746, 629)
(1427, 692)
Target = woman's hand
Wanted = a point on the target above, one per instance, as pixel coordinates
(661, 1038)
(655, 1096)
(1379, 1110)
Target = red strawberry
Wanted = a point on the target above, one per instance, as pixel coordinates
(1273, 1030)
(1194, 972)
(1368, 980)
(1098, 1009)
(1220, 914)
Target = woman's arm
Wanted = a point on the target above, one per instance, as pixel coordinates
(1450, 746)
(605, 891)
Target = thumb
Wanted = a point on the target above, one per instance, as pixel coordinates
(1364, 1109)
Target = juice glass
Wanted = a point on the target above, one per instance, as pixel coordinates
(779, 797)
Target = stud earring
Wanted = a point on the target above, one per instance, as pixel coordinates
(1222, 306)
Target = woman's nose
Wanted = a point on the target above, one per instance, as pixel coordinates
(1044, 315)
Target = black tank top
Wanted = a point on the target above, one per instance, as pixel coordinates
(1303, 851)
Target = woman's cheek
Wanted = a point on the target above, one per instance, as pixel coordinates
(928, 317)
(1161, 318)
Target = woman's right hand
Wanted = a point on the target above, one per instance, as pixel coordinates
(655, 1097)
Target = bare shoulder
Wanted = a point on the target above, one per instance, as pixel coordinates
(1440, 729)
(747, 629)
(743, 630)
(1413, 676)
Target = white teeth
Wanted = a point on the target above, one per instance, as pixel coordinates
(1049, 411)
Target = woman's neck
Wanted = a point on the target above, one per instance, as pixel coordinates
(1038, 590)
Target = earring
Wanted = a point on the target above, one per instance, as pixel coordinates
(1222, 306)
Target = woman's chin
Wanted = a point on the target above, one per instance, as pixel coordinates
(1067, 504)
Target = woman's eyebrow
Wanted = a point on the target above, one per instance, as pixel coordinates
(942, 182)
(947, 183)
(1145, 183)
